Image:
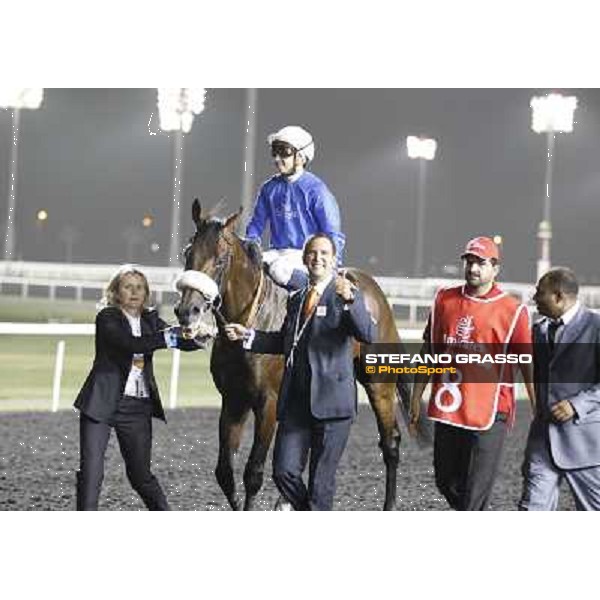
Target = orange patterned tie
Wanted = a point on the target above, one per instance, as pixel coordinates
(312, 299)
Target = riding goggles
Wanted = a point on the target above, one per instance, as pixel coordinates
(283, 150)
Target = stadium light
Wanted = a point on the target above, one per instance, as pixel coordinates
(421, 147)
(423, 150)
(177, 107)
(553, 113)
(550, 114)
(176, 110)
(16, 99)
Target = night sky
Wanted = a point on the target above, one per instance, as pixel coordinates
(88, 158)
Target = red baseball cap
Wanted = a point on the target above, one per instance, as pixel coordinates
(483, 247)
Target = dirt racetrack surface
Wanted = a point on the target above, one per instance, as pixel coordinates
(39, 455)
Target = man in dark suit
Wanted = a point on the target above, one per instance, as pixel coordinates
(564, 439)
(317, 399)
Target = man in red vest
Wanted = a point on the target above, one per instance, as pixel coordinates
(471, 414)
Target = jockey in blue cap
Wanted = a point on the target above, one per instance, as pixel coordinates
(296, 204)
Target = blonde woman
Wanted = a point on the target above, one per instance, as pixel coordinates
(120, 391)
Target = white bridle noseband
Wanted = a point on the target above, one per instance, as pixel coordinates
(200, 282)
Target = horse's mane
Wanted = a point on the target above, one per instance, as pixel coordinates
(250, 247)
(253, 251)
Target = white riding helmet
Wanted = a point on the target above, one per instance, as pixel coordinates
(296, 137)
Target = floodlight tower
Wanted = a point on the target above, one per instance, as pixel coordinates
(176, 109)
(550, 114)
(16, 99)
(422, 149)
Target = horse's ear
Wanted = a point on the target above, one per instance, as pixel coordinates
(233, 219)
(196, 212)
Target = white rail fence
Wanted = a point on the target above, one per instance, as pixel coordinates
(71, 329)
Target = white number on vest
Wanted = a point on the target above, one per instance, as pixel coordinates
(450, 387)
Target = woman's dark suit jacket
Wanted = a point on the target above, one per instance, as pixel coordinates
(115, 346)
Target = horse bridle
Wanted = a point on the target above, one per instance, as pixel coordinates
(222, 263)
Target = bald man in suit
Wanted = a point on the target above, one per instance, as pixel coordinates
(564, 439)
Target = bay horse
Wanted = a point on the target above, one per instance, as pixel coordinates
(250, 382)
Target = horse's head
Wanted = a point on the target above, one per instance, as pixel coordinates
(208, 258)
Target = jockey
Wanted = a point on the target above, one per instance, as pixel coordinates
(296, 204)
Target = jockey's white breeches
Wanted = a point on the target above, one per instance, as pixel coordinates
(282, 263)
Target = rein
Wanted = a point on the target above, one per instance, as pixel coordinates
(255, 304)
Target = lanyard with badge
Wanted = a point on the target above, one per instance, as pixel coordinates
(298, 330)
